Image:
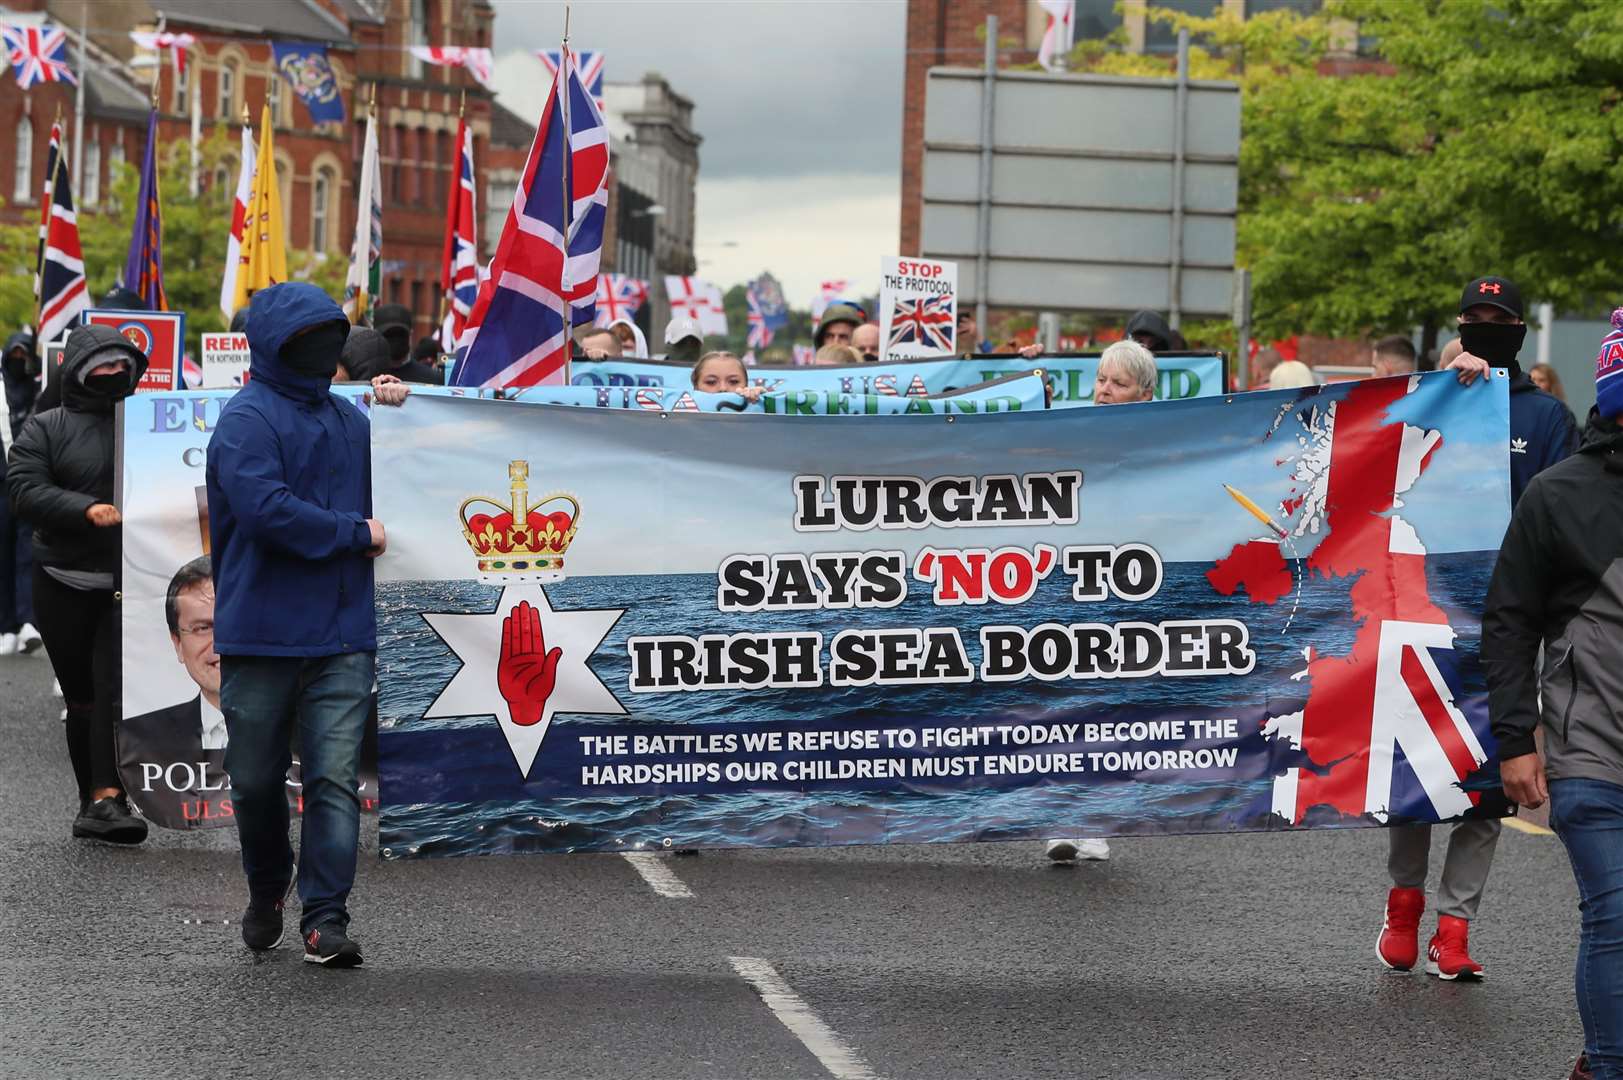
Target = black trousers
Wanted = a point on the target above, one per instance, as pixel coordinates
(81, 632)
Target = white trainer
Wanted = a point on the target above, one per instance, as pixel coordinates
(1062, 850)
(8, 644)
(1094, 850)
(28, 638)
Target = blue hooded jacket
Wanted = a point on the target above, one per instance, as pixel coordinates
(289, 491)
(1542, 432)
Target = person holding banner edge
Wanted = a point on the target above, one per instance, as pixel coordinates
(1127, 373)
(1541, 434)
(292, 539)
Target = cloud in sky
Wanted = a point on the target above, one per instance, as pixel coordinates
(799, 105)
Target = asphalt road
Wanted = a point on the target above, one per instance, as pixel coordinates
(1245, 956)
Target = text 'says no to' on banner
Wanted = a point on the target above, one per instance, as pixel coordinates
(610, 630)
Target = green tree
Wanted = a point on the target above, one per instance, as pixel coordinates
(1489, 142)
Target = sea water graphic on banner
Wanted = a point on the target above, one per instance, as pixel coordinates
(613, 630)
(171, 734)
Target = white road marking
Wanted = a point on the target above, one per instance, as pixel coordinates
(660, 877)
(842, 1062)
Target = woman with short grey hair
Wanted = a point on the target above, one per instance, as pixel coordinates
(1126, 373)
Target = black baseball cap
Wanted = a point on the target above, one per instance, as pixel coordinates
(1495, 291)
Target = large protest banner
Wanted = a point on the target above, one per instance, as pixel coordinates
(171, 735)
(1070, 375)
(616, 630)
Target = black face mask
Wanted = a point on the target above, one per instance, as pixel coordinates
(22, 365)
(315, 354)
(113, 386)
(1497, 343)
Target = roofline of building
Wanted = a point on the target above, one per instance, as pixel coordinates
(340, 38)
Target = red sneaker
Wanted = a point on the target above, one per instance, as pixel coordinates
(1398, 947)
(1449, 956)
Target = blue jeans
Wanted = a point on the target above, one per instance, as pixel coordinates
(325, 699)
(1588, 816)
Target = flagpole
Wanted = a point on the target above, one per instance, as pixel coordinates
(450, 222)
(197, 134)
(39, 261)
(79, 98)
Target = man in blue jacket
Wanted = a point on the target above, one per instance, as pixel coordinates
(1542, 433)
(290, 528)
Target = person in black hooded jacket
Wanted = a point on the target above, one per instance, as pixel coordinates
(366, 355)
(19, 370)
(60, 479)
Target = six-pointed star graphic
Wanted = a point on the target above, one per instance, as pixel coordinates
(477, 642)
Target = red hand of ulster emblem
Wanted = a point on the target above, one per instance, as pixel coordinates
(526, 672)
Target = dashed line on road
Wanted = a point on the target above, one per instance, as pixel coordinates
(660, 877)
(842, 1062)
(1527, 827)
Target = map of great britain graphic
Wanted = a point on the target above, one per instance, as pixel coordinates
(1387, 695)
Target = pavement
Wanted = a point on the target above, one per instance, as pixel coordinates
(1191, 956)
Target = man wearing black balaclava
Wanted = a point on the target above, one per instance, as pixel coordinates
(1542, 432)
(292, 539)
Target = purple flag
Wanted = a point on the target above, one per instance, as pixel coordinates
(143, 270)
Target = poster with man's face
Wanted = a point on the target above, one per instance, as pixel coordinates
(172, 737)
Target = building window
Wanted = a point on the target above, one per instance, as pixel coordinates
(1160, 37)
(416, 303)
(228, 91)
(1095, 19)
(115, 157)
(414, 170)
(22, 182)
(321, 191)
(418, 33)
(92, 192)
(222, 178)
(276, 99)
(183, 85)
(446, 165)
(401, 166)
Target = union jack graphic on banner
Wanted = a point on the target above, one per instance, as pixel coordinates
(38, 54)
(60, 284)
(543, 280)
(591, 70)
(459, 264)
(1381, 723)
(619, 296)
(924, 321)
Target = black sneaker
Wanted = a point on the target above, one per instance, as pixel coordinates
(328, 944)
(262, 925)
(110, 820)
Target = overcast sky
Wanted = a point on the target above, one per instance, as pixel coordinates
(799, 104)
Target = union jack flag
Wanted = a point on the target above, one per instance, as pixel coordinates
(459, 263)
(591, 70)
(60, 283)
(543, 280)
(38, 54)
(923, 320)
(767, 312)
(619, 296)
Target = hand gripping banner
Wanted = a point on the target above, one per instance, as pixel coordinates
(614, 629)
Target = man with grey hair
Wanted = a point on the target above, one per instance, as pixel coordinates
(1127, 373)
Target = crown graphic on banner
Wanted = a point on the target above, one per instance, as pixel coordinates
(520, 542)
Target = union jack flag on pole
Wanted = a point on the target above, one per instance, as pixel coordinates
(925, 321)
(543, 280)
(591, 70)
(459, 263)
(59, 285)
(38, 54)
(143, 270)
(767, 312)
(619, 296)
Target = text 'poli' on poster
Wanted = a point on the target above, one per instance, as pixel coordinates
(1019, 625)
(918, 313)
(172, 736)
